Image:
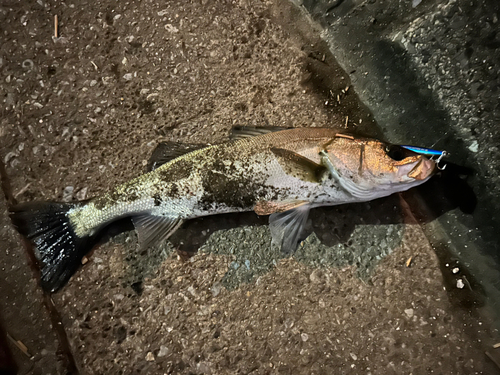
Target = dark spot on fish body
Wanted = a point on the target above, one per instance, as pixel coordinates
(178, 170)
(224, 184)
(173, 191)
(157, 199)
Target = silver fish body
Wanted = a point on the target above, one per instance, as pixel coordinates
(280, 173)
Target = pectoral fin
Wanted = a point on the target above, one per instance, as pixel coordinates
(287, 227)
(152, 229)
(299, 166)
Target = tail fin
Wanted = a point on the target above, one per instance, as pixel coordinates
(58, 248)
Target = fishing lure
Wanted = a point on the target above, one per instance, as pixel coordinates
(429, 152)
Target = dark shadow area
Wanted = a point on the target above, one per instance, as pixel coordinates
(64, 348)
(431, 124)
(7, 363)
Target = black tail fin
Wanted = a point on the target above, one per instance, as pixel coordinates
(58, 248)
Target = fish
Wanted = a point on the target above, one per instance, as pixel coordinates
(280, 172)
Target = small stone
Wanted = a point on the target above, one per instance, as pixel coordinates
(128, 76)
(216, 289)
(82, 194)
(354, 356)
(150, 357)
(455, 270)
(409, 313)
(171, 29)
(204, 368)
(93, 83)
(192, 291)
(163, 351)
(68, 193)
(474, 147)
(304, 337)
(316, 276)
(460, 284)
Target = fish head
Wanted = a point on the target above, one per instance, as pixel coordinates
(374, 165)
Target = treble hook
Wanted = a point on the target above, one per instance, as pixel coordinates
(443, 155)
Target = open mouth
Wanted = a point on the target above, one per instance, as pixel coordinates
(423, 169)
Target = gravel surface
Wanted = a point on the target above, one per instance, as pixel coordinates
(82, 112)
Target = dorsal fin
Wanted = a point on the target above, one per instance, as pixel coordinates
(241, 132)
(299, 166)
(166, 151)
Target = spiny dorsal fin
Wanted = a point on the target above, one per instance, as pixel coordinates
(241, 132)
(166, 151)
(299, 166)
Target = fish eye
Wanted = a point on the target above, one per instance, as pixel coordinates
(397, 153)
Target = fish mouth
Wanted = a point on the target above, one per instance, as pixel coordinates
(424, 169)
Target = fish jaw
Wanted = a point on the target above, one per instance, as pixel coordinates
(423, 170)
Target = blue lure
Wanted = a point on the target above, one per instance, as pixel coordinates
(428, 152)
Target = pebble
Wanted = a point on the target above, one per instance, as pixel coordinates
(216, 289)
(82, 194)
(474, 147)
(68, 193)
(128, 76)
(304, 337)
(150, 357)
(163, 351)
(28, 64)
(460, 284)
(409, 313)
(171, 29)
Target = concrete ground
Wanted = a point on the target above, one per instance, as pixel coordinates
(406, 284)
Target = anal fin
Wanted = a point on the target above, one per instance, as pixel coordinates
(153, 229)
(287, 227)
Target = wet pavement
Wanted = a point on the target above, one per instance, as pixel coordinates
(409, 283)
